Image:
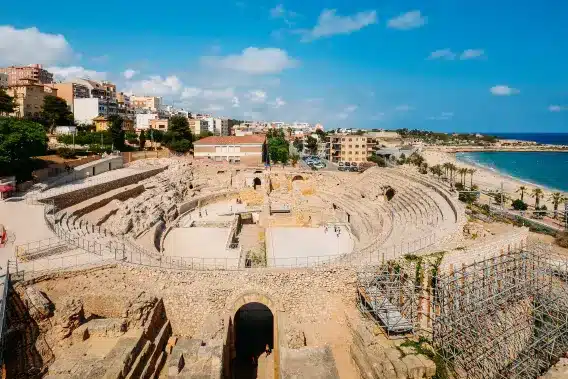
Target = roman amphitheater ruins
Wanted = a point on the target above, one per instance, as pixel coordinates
(177, 268)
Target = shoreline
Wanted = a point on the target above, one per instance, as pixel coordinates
(491, 179)
(504, 174)
(504, 149)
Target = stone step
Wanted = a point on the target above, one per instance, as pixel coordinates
(150, 369)
(140, 362)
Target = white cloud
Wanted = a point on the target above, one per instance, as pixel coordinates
(348, 110)
(64, 73)
(558, 108)
(442, 116)
(503, 90)
(472, 54)
(25, 46)
(277, 103)
(214, 108)
(130, 73)
(157, 86)
(442, 54)
(189, 92)
(257, 96)
(219, 94)
(235, 101)
(329, 23)
(403, 108)
(408, 20)
(253, 60)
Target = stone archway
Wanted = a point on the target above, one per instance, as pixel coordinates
(256, 182)
(258, 300)
(297, 177)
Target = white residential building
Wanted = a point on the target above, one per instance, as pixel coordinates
(143, 120)
(85, 110)
(3, 80)
(65, 130)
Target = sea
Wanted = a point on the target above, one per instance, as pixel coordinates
(547, 169)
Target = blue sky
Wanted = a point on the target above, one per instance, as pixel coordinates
(488, 66)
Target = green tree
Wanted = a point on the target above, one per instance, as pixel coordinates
(19, 141)
(312, 144)
(519, 205)
(278, 149)
(117, 132)
(55, 112)
(142, 139)
(471, 171)
(380, 161)
(556, 198)
(180, 146)
(7, 104)
(179, 126)
(522, 190)
(537, 193)
(294, 158)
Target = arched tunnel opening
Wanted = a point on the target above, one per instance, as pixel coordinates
(254, 341)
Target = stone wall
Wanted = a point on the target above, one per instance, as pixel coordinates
(122, 195)
(74, 197)
(511, 241)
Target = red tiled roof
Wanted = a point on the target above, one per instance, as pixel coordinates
(231, 140)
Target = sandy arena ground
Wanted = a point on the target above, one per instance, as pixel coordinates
(285, 245)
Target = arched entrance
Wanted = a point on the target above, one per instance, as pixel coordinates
(254, 332)
(297, 177)
(248, 318)
(256, 182)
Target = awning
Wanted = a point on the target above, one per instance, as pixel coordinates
(6, 188)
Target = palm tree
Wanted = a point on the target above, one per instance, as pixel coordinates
(446, 167)
(556, 199)
(471, 171)
(522, 190)
(537, 194)
(463, 173)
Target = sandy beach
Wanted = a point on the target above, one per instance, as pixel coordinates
(490, 180)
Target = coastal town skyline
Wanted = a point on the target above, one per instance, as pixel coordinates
(389, 66)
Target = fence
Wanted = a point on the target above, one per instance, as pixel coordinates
(6, 284)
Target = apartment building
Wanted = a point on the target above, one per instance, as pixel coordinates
(143, 120)
(102, 123)
(35, 73)
(246, 149)
(160, 124)
(3, 80)
(125, 108)
(151, 103)
(70, 91)
(198, 126)
(86, 109)
(28, 97)
(349, 148)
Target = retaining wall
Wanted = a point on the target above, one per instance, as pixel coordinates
(74, 197)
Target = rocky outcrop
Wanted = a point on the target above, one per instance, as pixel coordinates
(39, 305)
(138, 311)
(69, 317)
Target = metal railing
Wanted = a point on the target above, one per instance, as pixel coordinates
(6, 283)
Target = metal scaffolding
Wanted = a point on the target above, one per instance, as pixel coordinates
(388, 295)
(505, 317)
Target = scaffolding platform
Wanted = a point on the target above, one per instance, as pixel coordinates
(389, 315)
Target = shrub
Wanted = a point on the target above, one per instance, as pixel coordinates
(562, 239)
(180, 146)
(66, 153)
(519, 205)
(468, 197)
(133, 141)
(459, 186)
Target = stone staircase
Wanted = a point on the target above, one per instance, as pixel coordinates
(138, 353)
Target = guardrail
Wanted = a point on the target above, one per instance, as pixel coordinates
(6, 283)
